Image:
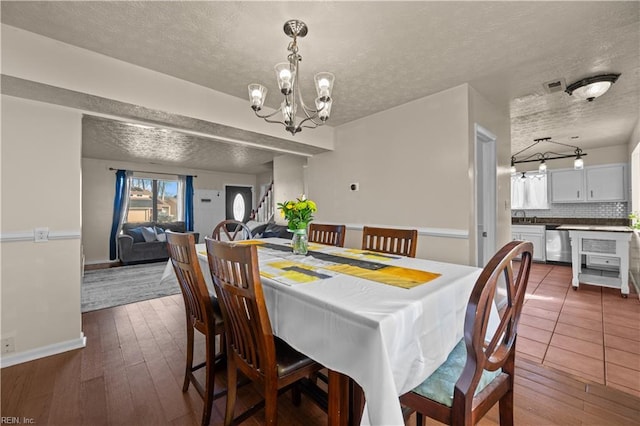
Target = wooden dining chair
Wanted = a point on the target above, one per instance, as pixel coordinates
(332, 235)
(478, 373)
(231, 230)
(251, 346)
(390, 240)
(202, 313)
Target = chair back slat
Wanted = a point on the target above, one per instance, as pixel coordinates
(332, 235)
(234, 269)
(182, 251)
(393, 241)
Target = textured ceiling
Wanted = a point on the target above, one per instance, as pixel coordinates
(383, 53)
(116, 140)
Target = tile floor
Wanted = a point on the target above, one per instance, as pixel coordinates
(592, 333)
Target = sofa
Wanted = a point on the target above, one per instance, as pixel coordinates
(268, 229)
(141, 242)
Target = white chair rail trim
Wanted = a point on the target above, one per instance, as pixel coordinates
(7, 237)
(433, 232)
(7, 360)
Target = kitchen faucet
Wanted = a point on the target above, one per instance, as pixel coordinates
(524, 214)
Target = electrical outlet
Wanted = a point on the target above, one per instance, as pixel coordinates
(8, 345)
(41, 235)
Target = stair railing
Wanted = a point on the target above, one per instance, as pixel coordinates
(265, 210)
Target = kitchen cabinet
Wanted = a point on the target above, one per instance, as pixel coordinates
(533, 233)
(592, 184)
(567, 186)
(606, 183)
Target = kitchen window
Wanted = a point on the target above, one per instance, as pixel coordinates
(529, 191)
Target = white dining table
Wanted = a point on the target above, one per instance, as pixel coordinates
(386, 338)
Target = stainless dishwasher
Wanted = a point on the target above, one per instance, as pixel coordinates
(558, 246)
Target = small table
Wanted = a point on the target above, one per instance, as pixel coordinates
(603, 242)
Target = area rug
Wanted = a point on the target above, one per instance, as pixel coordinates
(106, 288)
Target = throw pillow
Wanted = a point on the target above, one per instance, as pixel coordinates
(136, 234)
(149, 234)
(160, 235)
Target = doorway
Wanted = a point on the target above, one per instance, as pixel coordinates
(485, 194)
(238, 202)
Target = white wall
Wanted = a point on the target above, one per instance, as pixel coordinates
(41, 178)
(288, 180)
(496, 121)
(412, 164)
(262, 180)
(34, 57)
(98, 192)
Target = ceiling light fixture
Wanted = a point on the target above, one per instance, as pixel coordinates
(592, 87)
(542, 157)
(513, 166)
(287, 76)
(542, 168)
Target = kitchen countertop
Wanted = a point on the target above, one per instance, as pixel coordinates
(601, 228)
(556, 222)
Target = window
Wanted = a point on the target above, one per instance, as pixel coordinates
(153, 200)
(529, 191)
(238, 201)
(238, 207)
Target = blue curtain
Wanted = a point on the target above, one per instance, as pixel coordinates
(188, 203)
(118, 203)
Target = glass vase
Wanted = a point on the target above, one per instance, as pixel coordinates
(300, 242)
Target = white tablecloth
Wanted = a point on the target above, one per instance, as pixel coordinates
(388, 339)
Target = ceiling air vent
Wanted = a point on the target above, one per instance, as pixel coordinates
(555, 85)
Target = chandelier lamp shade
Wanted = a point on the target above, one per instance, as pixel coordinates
(592, 87)
(543, 157)
(287, 76)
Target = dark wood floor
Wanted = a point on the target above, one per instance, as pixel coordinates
(131, 373)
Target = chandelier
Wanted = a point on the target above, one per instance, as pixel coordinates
(542, 157)
(287, 77)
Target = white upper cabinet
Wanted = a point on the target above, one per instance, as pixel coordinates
(592, 184)
(606, 183)
(567, 186)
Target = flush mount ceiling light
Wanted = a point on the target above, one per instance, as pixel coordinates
(543, 157)
(287, 76)
(592, 87)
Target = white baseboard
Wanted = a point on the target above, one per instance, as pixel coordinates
(7, 360)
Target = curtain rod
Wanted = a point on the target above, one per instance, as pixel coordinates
(154, 173)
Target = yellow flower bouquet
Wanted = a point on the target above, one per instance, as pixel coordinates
(298, 212)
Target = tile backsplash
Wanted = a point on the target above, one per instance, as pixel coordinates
(617, 210)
